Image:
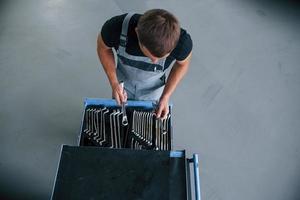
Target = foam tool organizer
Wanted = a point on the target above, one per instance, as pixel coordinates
(102, 126)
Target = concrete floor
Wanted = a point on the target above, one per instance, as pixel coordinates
(238, 106)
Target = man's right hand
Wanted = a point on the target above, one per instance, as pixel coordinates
(119, 93)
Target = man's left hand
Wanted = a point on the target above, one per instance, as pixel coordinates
(163, 108)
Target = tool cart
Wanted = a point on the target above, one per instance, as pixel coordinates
(125, 154)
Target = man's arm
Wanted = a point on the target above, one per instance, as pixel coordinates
(177, 72)
(107, 60)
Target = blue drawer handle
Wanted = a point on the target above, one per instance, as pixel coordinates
(195, 161)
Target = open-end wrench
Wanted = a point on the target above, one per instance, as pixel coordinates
(98, 130)
(134, 123)
(157, 134)
(103, 130)
(142, 133)
(91, 122)
(162, 127)
(143, 126)
(151, 128)
(96, 134)
(161, 135)
(93, 128)
(147, 128)
(168, 132)
(115, 127)
(148, 136)
(87, 116)
(164, 134)
(119, 129)
(88, 123)
(124, 118)
(138, 125)
(95, 122)
(111, 129)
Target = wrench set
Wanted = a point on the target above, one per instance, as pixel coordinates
(103, 126)
(147, 131)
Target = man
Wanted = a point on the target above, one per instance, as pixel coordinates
(146, 45)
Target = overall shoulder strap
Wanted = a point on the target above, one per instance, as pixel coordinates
(123, 36)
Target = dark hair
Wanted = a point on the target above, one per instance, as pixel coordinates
(158, 30)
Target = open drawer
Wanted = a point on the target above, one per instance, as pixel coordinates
(104, 173)
(124, 162)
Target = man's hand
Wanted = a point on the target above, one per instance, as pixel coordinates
(163, 108)
(119, 93)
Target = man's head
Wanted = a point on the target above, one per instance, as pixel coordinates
(158, 33)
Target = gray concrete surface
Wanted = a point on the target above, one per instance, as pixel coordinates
(238, 106)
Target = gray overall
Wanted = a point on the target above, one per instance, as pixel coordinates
(142, 79)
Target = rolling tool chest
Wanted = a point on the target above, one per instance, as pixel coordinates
(117, 161)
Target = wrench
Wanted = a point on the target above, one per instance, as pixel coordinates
(115, 127)
(156, 135)
(87, 114)
(151, 127)
(118, 128)
(96, 124)
(98, 130)
(124, 118)
(111, 129)
(103, 130)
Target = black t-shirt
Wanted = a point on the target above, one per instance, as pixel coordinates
(111, 31)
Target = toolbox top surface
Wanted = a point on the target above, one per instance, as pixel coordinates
(103, 173)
